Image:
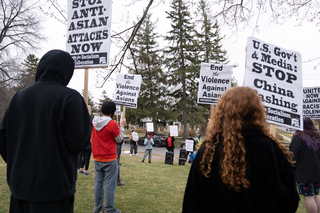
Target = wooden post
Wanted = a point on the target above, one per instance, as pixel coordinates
(273, 130)
(123, 112)
(85, 90)
(212, 110)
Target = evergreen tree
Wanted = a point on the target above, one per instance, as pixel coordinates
(209, 37)
(209, 41)
(145, 55)
(28, 73)
(182, 61)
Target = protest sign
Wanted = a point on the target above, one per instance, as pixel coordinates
(276, 74)
(311, 103)
(174, 130)
(89, 32)
(215, 79)
(118, 110)
(150, 127)
(127, 90)
(135, 136)
(189, 145)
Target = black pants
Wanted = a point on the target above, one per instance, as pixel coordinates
(170, 149)
(84, 159)
(61, 206)
(133, 148)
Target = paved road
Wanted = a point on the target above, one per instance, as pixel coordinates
(156, 150)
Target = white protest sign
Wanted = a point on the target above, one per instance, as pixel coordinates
(311, 102)
(127, 90)
(150, 127)
(276, 74)
(174, 130)
(214, 80)
(189, 145)
(89, 32)
(118, 110)
(135, 136)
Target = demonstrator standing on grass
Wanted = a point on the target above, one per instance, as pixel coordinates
(148, 142)
(105, 136)
(240, 167)
(42, 132)
(305, 146)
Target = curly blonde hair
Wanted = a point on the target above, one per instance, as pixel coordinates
(238, 108)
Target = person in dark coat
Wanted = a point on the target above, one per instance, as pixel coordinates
(240, 167)
(42, 132)
(85, 155)
(305, 146)
(170, 143)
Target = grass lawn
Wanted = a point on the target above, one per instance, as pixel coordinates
(155, 187)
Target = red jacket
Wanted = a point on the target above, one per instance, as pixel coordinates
(104, 132)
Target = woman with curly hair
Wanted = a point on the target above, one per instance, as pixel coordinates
(305, 147)
(240, 167)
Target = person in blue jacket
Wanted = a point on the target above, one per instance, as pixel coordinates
(148, 142)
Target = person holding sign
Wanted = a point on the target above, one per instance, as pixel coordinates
(105, 136)
(240, 167)
(190, 147)
(305, 147)
(148, 142)
(170, 143)
(133, 143)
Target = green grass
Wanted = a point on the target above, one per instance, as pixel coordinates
(155, 187)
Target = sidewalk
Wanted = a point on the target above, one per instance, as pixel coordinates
(156, 150)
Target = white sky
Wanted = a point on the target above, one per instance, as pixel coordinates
(304, 39)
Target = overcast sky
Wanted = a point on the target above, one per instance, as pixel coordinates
(304, 39)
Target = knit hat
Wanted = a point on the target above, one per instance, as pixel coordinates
(108, 107)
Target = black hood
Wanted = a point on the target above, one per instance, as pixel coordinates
(55, 66)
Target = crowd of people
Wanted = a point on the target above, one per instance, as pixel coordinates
(238, 167)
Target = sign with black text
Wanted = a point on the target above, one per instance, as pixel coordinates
(311, 103)
(89, 32)
(214, 80)
(276, 74)
(127, 90)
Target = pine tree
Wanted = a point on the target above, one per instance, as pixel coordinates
(28, 73)
(182, 61)
(145, 55)
(209, 41)
(209, 37)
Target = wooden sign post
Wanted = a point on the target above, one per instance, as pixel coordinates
(85, 90)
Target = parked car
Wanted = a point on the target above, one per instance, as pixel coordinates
(159, 140)
(126, 139)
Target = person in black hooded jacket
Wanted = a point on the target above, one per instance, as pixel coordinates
(42, 132)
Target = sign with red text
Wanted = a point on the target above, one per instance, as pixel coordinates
(89, 32)
(127, 90)
(276, 74)
(214, 80)
(311, 102)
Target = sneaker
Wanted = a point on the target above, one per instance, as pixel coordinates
(81, 171)
(149, 162)
(130, 154)
(86, 173)
(137, 154)
(142, 162)
(117, 211)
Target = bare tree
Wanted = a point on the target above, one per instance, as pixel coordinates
(238, 14)
(19, 32)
